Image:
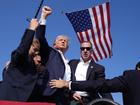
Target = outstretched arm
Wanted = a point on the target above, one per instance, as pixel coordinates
(59, 83)
(117, 84)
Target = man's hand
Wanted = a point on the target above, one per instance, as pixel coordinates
(77, 97)
(33, 24)
(46, 11)
(59, 84)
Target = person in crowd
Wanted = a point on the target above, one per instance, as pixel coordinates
(24, 72)
(86, 69)
(137, 66)
(126, 83)
(54, 60)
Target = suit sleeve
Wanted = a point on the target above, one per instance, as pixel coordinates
(100, 75)
(19, 55)
(117, 84)
(44, 47)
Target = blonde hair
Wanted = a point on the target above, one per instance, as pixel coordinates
(36, 43)
(59, 36)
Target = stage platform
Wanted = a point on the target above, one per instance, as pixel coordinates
(24, 103)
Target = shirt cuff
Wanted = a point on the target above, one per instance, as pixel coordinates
(42, 21)
(32, 29)
(70, 85)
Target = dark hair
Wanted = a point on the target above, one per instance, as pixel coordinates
(86, 42)
(137, 67)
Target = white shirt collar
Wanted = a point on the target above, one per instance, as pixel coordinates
(81, 60)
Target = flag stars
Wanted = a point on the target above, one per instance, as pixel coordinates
(80, 20)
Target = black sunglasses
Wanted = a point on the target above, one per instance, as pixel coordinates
(87, 48)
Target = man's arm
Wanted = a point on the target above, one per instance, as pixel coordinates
(40, 34)
(117, 84)
(46, 11)
(21, 53)
(100, 75)
(59, 83)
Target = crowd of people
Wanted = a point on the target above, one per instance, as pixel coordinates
(38, 72)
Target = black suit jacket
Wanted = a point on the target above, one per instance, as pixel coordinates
(52, 60)
(20, 77)
(55, 66)
(128, 84)
(94, 72)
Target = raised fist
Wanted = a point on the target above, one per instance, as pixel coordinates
(46, 11)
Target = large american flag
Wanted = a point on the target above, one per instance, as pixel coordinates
(93, 24)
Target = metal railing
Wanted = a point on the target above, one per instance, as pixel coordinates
(103, 101)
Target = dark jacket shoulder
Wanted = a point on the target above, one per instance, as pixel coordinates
(73, 61)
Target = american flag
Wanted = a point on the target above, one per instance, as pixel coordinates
(93, 24)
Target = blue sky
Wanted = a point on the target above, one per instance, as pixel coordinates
(125, 30)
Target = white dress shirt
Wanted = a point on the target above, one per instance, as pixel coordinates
(80, 74)
(67, 75)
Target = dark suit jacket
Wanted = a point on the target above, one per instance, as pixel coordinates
(54, 64)
(128, 84)
(20, 77)
(51, 59)
(94, 72)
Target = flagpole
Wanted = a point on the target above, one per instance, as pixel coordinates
(41, 3)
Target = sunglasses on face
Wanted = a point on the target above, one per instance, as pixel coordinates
(87, 48)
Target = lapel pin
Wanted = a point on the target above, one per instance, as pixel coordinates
(91, 67)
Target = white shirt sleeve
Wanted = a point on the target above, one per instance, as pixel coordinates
(42, 21)
(70, 85)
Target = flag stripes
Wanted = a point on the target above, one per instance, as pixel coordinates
(93, 24)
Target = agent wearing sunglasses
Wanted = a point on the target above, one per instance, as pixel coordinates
(86, 69)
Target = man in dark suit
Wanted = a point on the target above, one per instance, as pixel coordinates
(86, 69)
(54, 60)
(22, 74)
(126, 83)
